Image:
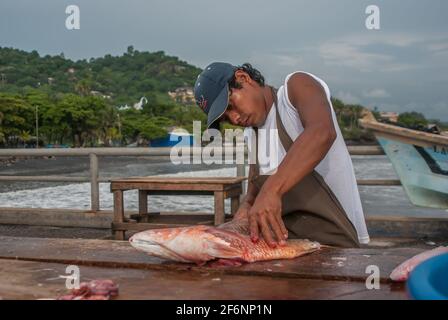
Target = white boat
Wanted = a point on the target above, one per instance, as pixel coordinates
(420, 160)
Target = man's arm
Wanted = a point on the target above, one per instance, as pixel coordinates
(250, 196)
(310, 100)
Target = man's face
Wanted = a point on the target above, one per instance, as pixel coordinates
(247, 104)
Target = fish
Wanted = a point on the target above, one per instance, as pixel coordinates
(402, 272)
(101, 289)
(227, 244)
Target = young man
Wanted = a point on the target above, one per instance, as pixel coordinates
(308, 189)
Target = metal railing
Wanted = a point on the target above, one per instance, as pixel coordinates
(94, 153)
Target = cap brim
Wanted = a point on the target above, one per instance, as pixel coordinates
(218, 107)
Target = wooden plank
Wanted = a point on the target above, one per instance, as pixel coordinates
(162, 183)
(142, 202)
(405, 135)
(160, 186)
(219, 208)
(327, 264)
(89, 219)
(378, 182)
(365, 150)
(170, 219)
(408, 227)
(234, 204)
(118, 214)
(56, 217)
(184, 180)
(228, 192)
(234, 191)
(41, 280)
(142, 226)
(162, 223)
(180, 192)
(378, 226)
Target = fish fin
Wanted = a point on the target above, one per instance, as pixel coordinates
(223, 249)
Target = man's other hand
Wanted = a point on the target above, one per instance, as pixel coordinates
(265, 219)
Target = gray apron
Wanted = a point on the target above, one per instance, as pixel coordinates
(310, 210)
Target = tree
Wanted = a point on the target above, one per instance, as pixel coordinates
(83, 116)
(16, 119)
(413, 120)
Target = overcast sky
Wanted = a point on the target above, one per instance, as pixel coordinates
(401, 67)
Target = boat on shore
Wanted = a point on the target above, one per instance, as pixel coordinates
(419, 158)
(176, 137)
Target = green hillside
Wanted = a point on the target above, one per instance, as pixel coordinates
(125, 78)
(77, 100)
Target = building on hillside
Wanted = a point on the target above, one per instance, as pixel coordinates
(99, 94)
(389, 116)
(184, 95)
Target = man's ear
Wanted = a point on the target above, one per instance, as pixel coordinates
(242, 77)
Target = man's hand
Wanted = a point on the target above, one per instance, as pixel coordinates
(265, 218)
(243, 211)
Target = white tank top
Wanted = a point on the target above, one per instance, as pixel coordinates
(336, 168)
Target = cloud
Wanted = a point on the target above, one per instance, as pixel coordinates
(387, 106)
(279, 59)
(348, 55)
(347, 97)
(438, 110)
(439, 49)
(376, 93)
(436, 47)
(379, 51)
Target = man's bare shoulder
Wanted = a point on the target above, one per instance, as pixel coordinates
(303, 88)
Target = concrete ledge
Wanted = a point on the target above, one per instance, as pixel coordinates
(76, 218)
(56, 217)
(408, 227)
(378, 226)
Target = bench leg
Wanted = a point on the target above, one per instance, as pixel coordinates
(234, 204)
(219, 207)
(142, 201)
(118, 214)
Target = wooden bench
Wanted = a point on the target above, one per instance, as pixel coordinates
(221, 188)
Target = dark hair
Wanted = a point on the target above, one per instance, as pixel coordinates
(251, 71)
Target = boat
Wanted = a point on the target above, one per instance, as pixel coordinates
(177, 137)
(419, 158)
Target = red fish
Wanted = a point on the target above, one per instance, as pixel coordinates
(229, 243)
(401, 273)
(101, 289)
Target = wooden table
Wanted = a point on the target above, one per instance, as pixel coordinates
(330, 273)
(29, 280)
(221, 188)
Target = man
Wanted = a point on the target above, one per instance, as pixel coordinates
(308, 189)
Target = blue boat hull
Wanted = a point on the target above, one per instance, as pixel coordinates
(172, 140)
(423, 172)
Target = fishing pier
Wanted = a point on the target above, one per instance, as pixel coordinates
(37, 265)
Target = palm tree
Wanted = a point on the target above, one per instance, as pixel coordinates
(83, 87)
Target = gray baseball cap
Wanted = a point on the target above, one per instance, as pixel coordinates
(211, 90)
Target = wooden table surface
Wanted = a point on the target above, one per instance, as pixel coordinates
(327, 274)
(42, 280)
(193, 180)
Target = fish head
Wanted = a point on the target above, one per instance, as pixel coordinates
(196, 244)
